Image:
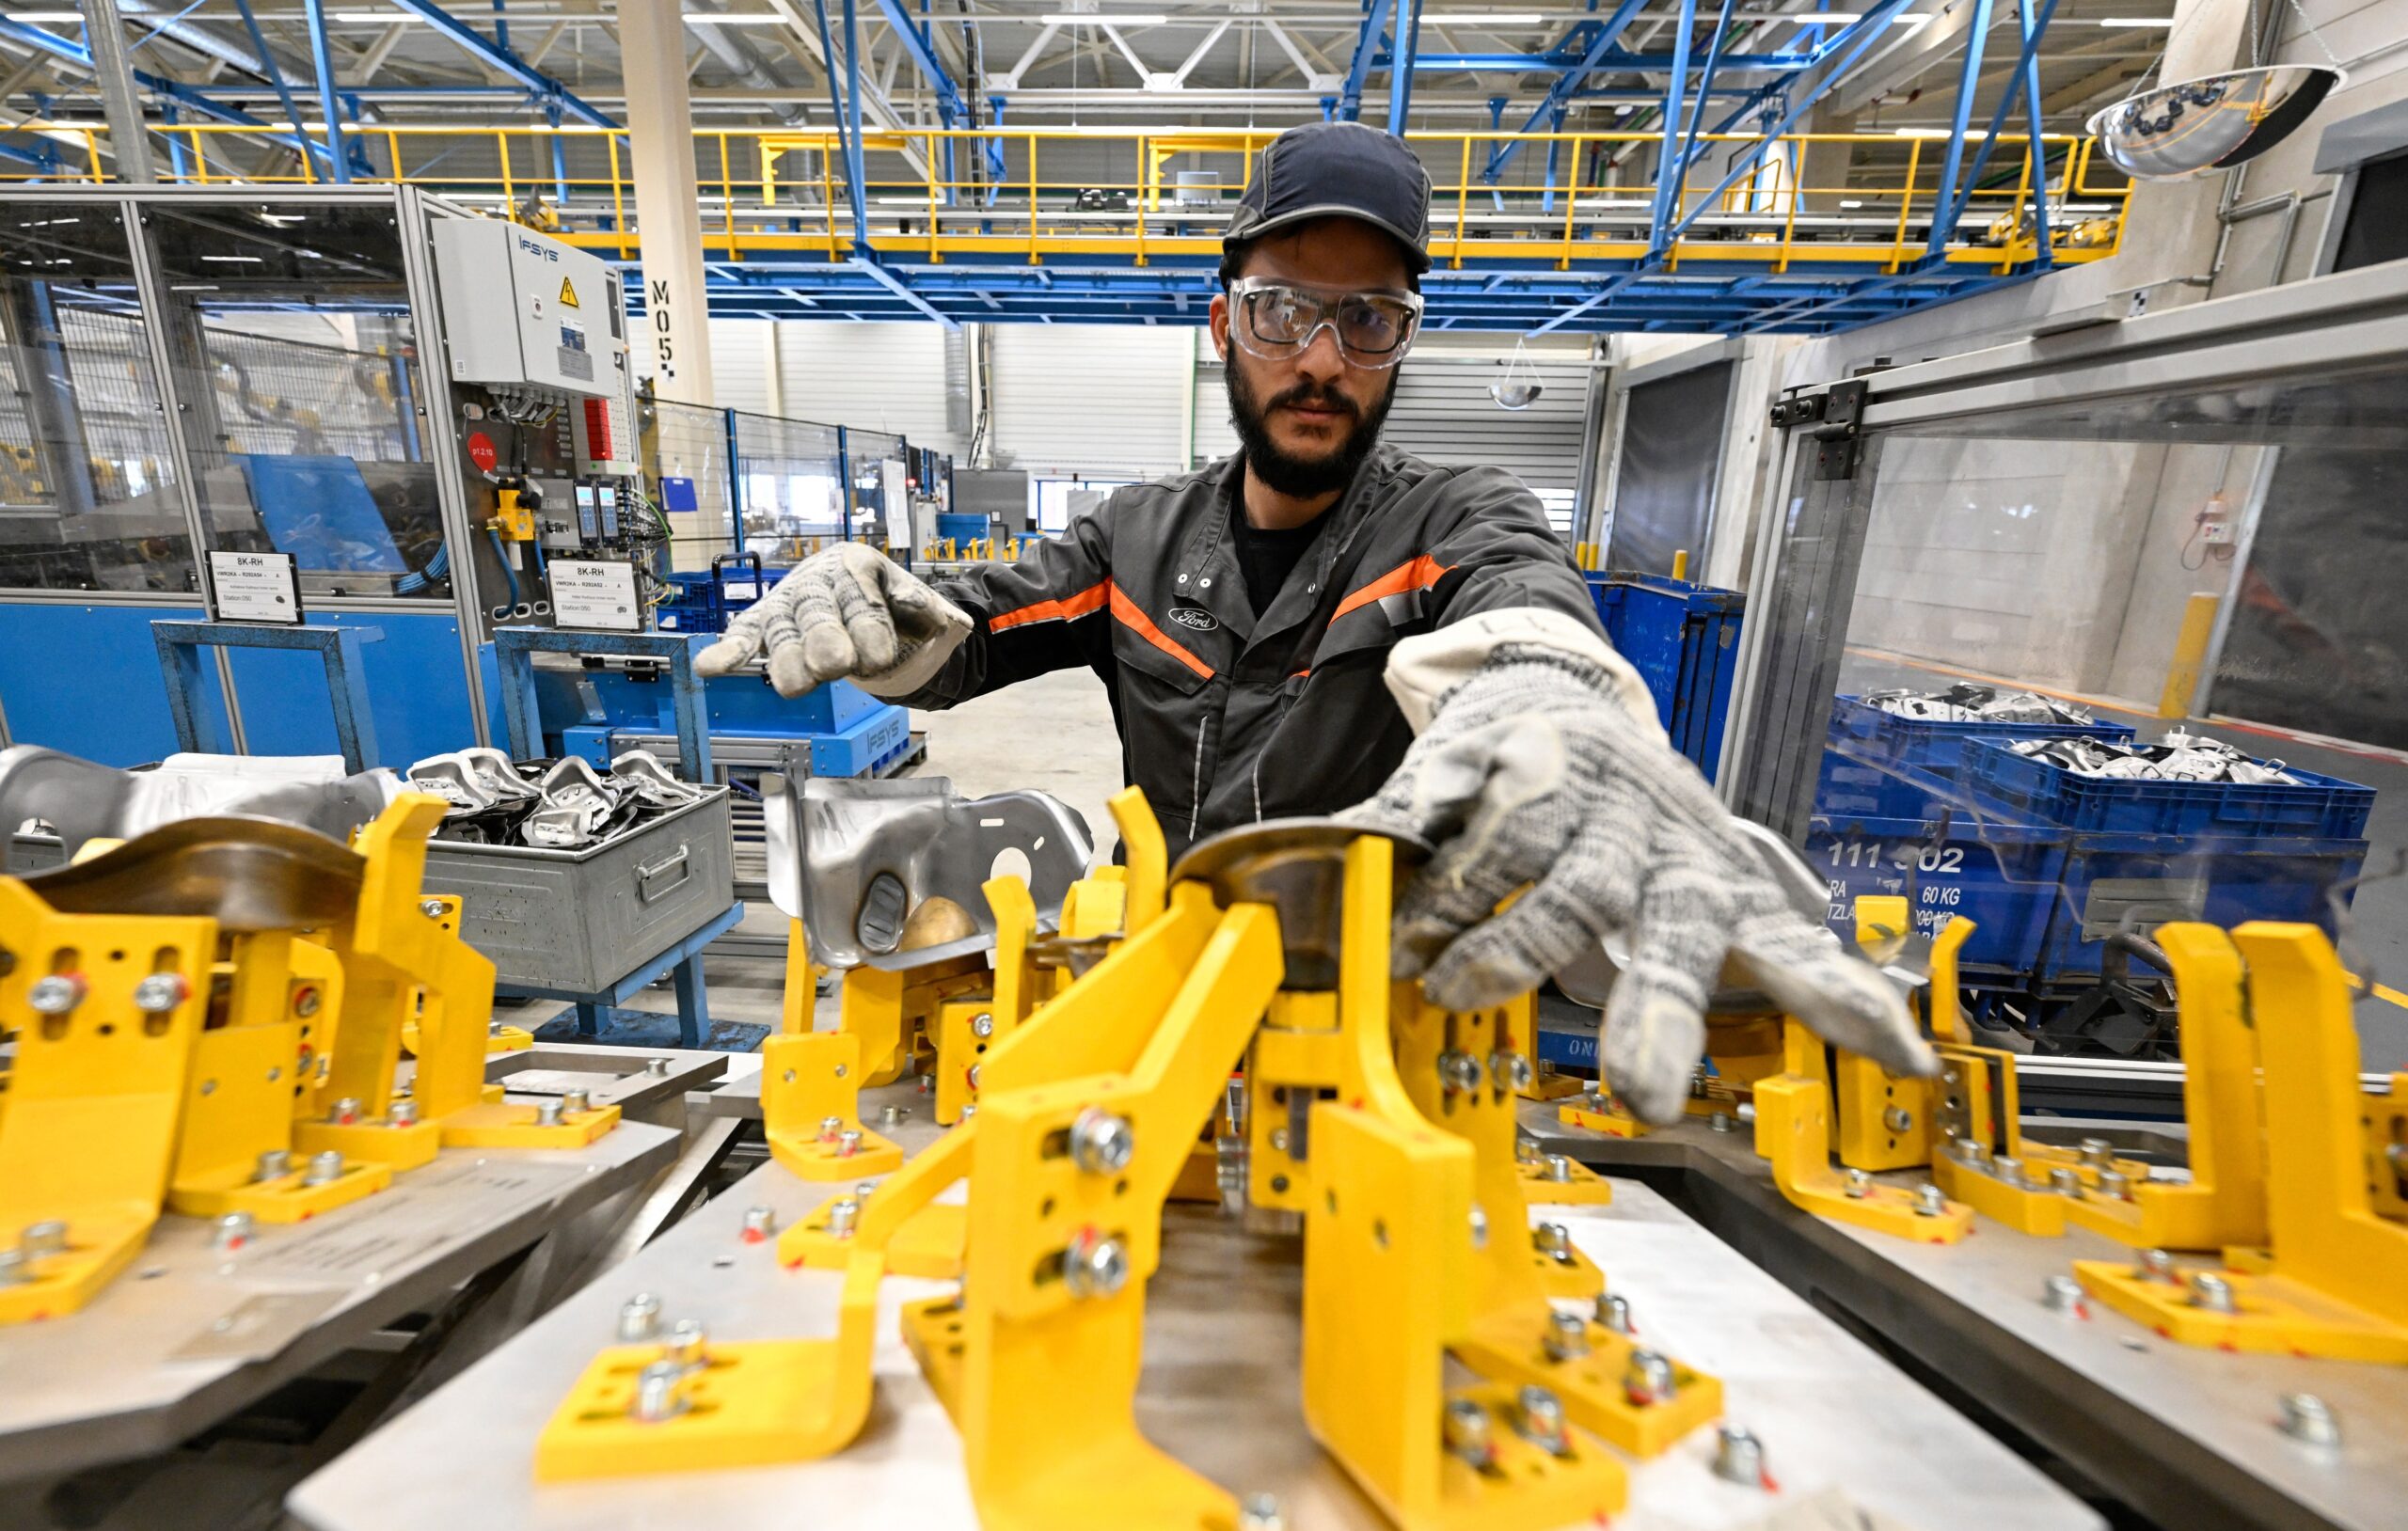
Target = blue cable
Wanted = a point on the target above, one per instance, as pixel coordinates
(502, 553)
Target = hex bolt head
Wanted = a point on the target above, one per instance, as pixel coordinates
(1553, 1239)
(1860, 1185)
(1558, 1169)
(973, 1075)
(1101, 1141)
(1466, 1431)
(1738, 1455)
(1260, 1513)
(1615, 1313)
(1897, 1119)
(430, 907)
(848, 1143)
(344, 1112)
(2115, 1185)
(860, 1191)
(324, 1169)
(547, 1113)
(2098, 1153)
(402, 1113)
(1095, 1266)
(2155, 1264)
(274, 1165)
(159, 993)
(1567, 1335)
(2009, 1171)
(1970, 1151)
(1721, 1122)
(55, 995)
(638, 1319)
(657, 1067)
(12, 1267)
(2310, 1419)
(660, 1393)
(1538, 1415)
(1510, 1071)
(844, 1213)
(48, 1237)
(889, 1115)
(687, 1344)
(2061, 1294)
(759, 1222)
(2211, 1293)
(1479, 1226)
(2066, 1180)
(1526, 1151)
(1458, 1072)
(982, 1025)
(829, 1128)
(575, 1103)
(1648, 1378)
(1930, 1201)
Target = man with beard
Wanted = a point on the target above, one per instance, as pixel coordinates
(1322, 624)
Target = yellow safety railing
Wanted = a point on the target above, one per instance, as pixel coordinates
(1066, 191)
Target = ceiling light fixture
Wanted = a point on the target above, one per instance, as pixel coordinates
(2143, 23)
(739, 18)
(58, 16)
(1095, 18)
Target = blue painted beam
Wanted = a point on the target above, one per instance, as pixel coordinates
(1554, 100)
(1976, 33)
(1358, 69)
(845, 107)
(1611, 60)
(75, 53)
(1671, 159)
(499, 55)
(951, 108)
(901, 289)
(322, 60)
(1408, 42)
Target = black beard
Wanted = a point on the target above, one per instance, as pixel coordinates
(1284, 472)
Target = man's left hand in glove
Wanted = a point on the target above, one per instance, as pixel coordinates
(1540, 766)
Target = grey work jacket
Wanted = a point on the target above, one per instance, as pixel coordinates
(1226, 717)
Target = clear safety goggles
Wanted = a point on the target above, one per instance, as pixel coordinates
(1276, 321)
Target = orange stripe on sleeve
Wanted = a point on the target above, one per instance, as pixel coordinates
(1086, 602)
(1420, 574)
(1138, 623)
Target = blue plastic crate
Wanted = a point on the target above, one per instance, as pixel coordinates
(1856, 788)
(2111, 876)
(1684, 641)
(2005, 877)
(1867, 733)
(2317, 807)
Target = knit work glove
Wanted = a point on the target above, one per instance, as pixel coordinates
(848, 613)
(1535, 772)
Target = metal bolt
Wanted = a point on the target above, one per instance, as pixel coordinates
(306, 1001)
(2211, 1293)
(324, 1169)
(860, 1191)
(2115, 1185)
(12, 1267)
(2065, 1180)
(232, 1231)
(759, 1222)
(1897, 1119)
(2098, 1153)
(1466, 1431)
(1648, 1378)
(1930, 1201)
(547, 1113)
(1615, 1313)
(657, 1067)
(1539, 1415)
(430, 907)
(2155, 1264)
(2308, 1418)
(275, 1164)
(2009, 1171)
(1721, 1122)
(638, 1319)
(1094, 1266)
(493, 1028)
(1558, 1168)
(1738, 1455)
(842, 1214)
(890, 1116)
(344, 1113)
(159, 993)
(660, 1393)
(1555, 1239)
(1458, 1072)
(1479, 1227)
(927, 1084)
(575, 1103)
(973, 1077)
(687, 1342)
(402, 1113)
(982, 1025)
(1278, 1140)
(1860, 1185)
(48, 1237)
(1567, 1335)
(2061, 1294)
(848, 1143)
(1101, 1141)
(830, 1126)
(1526, 1151)
(968, 1111)
(1969, 1151)
(55, 995)
(1511, 1071)
(1260, 1513)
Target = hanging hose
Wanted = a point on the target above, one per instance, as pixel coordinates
(501, 552)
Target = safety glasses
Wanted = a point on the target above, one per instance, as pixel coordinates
(1276, 321)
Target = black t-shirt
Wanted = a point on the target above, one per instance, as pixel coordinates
(1268, 557)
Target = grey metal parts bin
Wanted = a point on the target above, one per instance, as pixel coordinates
(578, 920)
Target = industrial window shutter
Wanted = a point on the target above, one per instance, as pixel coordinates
(1098, 399)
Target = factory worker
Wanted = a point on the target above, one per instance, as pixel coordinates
(1321, 623)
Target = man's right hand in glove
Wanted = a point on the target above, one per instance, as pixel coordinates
(848, 613)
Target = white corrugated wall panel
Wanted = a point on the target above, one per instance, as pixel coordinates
(885, 377)
(740, 364)
(1097, 399)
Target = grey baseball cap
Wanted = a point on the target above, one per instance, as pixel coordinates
(1337, 169)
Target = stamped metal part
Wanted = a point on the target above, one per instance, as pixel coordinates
(858, 862)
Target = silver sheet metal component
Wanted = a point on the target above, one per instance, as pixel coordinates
(1298, 867)
(81, 800)
(867, 865)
